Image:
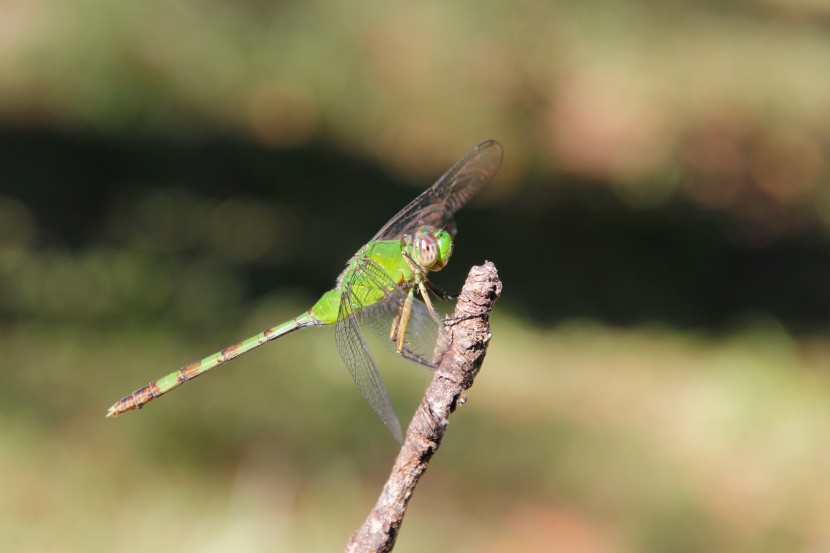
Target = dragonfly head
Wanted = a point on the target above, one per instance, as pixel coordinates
(432, 247)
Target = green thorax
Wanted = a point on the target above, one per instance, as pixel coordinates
(386, 253)
(429, 248)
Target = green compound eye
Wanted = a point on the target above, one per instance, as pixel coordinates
(427, 249)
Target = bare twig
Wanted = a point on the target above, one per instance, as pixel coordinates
(469, 333)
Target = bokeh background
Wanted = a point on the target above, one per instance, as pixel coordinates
(178, 176)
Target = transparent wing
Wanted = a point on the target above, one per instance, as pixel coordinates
(436, 206)
(423, 335)
(352, 349)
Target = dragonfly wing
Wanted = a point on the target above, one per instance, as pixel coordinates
(424, 337)
(435, 206)
(352, 349)
(423, 334)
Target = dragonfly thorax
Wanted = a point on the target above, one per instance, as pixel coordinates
(430, 247)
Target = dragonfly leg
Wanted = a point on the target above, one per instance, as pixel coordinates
(403, 320)
(420, 277)
(453, 320)
(396, 322)
(425, 295)
(439, 293)
(418, 271)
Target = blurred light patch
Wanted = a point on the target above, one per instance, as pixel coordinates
(282, 115)
(605, 125)
(787, 163)
(207, 290)
(253, 231)
(532, 526)
(139, 281)
(715, 168)
(60, 285)
(768, 177)
(165, 220)
(97, 284)
(239, 230)
(417, 148)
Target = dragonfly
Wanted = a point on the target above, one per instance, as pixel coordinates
(384, 287)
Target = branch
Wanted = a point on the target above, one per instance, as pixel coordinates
(469, 331)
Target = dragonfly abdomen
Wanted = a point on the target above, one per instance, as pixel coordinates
(159, 387)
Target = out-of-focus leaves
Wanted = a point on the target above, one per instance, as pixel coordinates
(724, 106)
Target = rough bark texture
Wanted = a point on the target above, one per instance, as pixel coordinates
(470, 334)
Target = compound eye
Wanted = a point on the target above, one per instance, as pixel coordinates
(428, 250)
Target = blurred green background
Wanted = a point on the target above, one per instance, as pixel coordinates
(177, 176)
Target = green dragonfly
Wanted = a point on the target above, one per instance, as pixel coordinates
(378, 289)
